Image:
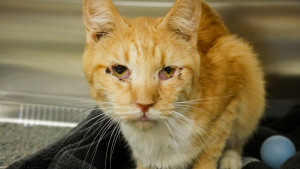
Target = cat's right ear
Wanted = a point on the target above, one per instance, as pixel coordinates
(100, 18)
(184, 19)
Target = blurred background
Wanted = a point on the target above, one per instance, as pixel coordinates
(42, 42)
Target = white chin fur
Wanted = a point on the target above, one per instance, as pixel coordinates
(156, 148)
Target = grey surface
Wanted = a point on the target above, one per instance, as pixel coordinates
(36, 114)
(18, 141)
(42, 43)
(41, 48)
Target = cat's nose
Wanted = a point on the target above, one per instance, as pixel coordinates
(144, 107)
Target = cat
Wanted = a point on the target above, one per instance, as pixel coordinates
(186, 93)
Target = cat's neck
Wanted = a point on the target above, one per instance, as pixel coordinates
(162, 146)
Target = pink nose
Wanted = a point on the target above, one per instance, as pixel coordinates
(144, 107)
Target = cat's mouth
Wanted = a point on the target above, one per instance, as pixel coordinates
(144, 118)
(144, 122)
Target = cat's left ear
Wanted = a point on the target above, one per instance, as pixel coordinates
(184, 19)
(101, 18)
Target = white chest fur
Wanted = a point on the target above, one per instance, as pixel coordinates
(161, 148)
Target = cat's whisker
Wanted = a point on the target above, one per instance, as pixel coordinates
(204, 149)
(114, 141)
(185, 139)
(193, 123)
(88, 111)
(210, 115)
(178, 117)
(103, 118)
(88, 103)
(209, 98)
(197, 127)
(95, 123)
(105, 102)
(166, 122)
(81, 114)
(204, 127)
(89, 128)
(179, 131)
(77, 117)
(72, 103)
(111, 123)
(194, 103)
(104, 129)
(112, 133)
(79, 127)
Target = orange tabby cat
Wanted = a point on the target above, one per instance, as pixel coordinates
(185, 91)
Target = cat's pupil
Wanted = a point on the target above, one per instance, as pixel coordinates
(168, 70)
(120, 69)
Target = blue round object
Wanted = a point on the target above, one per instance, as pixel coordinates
(276, 150)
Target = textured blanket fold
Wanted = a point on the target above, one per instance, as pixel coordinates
(88, 147)
(76, 149)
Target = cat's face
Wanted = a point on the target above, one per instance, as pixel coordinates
(137, 69)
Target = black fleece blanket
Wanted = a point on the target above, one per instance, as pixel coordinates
(76, 150)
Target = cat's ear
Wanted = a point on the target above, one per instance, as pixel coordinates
(184, 19)
(101, 18)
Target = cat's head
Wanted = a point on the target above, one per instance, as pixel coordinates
(137, 69)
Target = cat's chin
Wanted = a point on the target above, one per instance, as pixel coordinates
(143, 125)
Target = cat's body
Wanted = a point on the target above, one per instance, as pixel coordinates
(184, 89)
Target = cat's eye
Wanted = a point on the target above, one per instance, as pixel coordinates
(166, 73)
(121, 72)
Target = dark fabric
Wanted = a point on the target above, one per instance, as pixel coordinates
(256, 165)
(288, 126)
(76, 149)
(292, 163)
